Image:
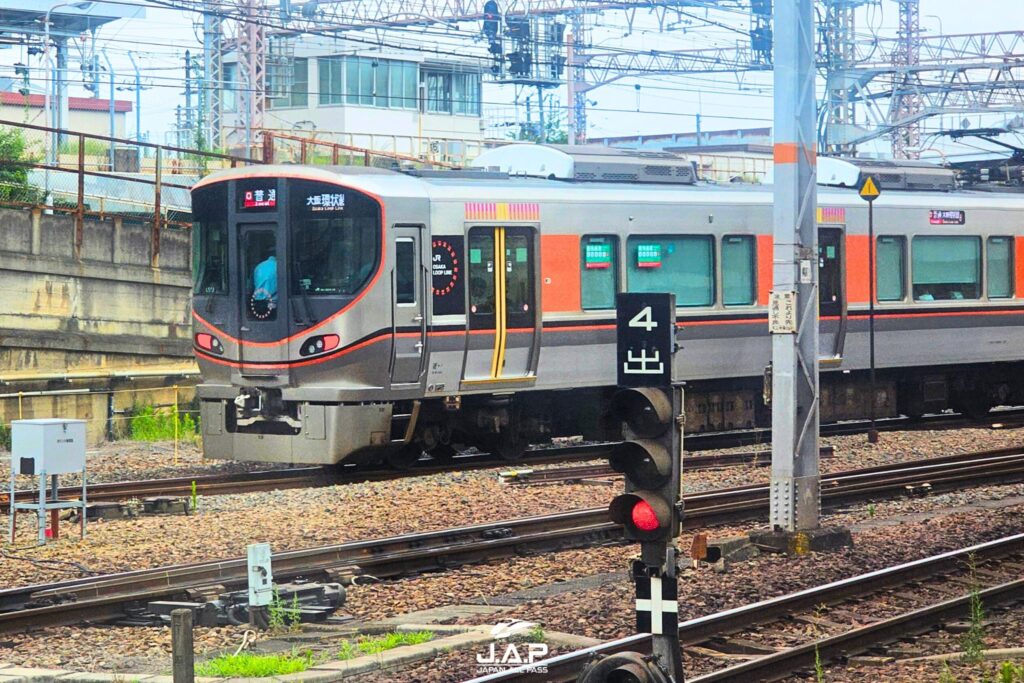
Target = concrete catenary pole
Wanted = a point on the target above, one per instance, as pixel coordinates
(794, 302)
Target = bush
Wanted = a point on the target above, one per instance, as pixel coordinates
(14, 160)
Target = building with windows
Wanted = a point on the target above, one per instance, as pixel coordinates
(380, 98)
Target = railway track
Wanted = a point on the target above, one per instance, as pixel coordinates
(106, 597)
(602, 472)
(726, 634)
(305, 477)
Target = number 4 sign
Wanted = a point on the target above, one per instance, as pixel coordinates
(646, 339)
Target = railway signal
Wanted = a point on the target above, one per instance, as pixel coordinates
(648, 405)
(870, 190)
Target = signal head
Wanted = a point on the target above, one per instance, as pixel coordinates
(646, 411)
(646, 464)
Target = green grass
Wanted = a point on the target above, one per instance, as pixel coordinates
(376, 644)
(150, 424)
(249, 665)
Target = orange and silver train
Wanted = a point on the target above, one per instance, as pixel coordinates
(347, 314)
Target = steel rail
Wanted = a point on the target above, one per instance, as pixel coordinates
(448, 547)
(567, 666)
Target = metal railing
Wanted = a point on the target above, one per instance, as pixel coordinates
(74, 173)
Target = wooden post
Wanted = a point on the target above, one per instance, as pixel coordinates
(183, 662)
(155, 235)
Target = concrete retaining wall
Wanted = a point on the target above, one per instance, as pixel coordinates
(104, 313)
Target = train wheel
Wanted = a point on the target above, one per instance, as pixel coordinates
(508, 446)
(443, 453)
(404, 457)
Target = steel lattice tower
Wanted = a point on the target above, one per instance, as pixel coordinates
(907, 103)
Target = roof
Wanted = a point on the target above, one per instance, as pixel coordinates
(74, 103)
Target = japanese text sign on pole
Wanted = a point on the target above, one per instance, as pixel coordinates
(645, 324)
(869, 189)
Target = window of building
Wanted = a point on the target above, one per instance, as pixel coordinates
(329, 74)
(294, 92)
(683, 264)
(890, 268)
(453, 93)
(368, 82)
(599, 271)
(739, 284)
(999, 258)
(439, 92)
(946, 267)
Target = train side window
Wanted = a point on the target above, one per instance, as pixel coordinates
(999, 261)
(946, 268)
(682, 264)
(738, 281)
(599, 271)
(405, 271)
(210, 257)
(891, 268)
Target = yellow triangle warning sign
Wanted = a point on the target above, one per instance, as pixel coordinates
(869, 189)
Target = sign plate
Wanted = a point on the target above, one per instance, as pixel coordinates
(947, 217)
(782, 313)
(646, 326)
(869, 188)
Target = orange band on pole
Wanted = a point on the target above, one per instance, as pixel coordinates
(787, 153)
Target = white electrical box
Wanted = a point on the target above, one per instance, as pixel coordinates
(50, 445)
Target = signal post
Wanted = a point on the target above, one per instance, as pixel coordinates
(649, 407)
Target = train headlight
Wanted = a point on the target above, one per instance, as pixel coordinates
(319, 344)
(208, 342)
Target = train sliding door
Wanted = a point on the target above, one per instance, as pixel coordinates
(409, 326)
(831, 294)
(502, 312)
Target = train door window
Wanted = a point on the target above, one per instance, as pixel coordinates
(682, 264)
(599, 272)
(830, 271)
(999, 262)
(405, 271)
(481, 276)
(519, 283)
(946, 268)
(259, 258)
(738, 281)
(891, 268)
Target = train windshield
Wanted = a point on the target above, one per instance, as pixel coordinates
(210, 241)
(335, 239)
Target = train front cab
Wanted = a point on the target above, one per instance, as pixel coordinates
(286, 269)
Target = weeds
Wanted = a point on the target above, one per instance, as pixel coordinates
(5, 437)
(871, 510)
(946, 676)
(250, 665)
(819, 670)
(195, 497)
(372, 645)
(152, 424)
(281, 618)
(973, 642)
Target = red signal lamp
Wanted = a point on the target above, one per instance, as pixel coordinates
(644, 515)
(207, 342)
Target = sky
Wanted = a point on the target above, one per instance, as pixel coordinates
(661, 105)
